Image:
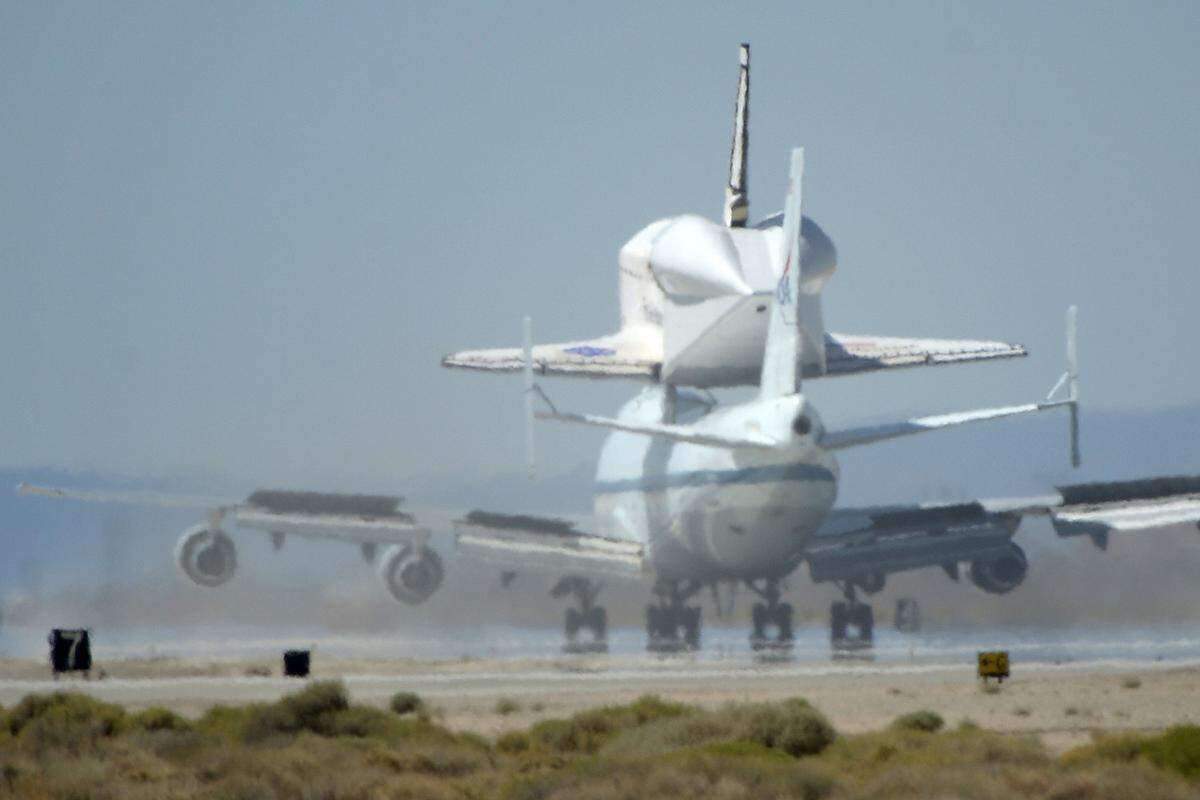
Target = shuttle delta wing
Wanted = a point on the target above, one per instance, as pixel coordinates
(847, 354)
(633, 353)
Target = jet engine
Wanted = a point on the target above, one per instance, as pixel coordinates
(412, 573)
(206, 555)
(1000, 574)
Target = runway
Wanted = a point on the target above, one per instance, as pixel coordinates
(1064, 684)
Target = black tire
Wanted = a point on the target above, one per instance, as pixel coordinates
(838, 619)
(863, 617)
(783, 619)
(759, 616)
(691, 626)
(598, 622)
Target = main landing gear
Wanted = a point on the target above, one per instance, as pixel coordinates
(772, 619)
(851, 623)
(672, 625)
(587, 616)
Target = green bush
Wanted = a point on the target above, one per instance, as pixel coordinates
(793, 726)
(1177, 749)
(68, 708)
(406, 703)
(927, 721)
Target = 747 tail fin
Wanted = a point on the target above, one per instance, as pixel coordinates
(781, 356)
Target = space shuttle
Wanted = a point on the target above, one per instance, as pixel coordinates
(694, 297)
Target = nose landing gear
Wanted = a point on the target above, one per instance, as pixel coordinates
(770, 617)
(673, 626)
(587, 616)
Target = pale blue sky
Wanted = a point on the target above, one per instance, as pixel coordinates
(236, 238)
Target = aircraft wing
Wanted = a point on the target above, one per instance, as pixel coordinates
(358, 518)
(525, 542)
(846, 354)
(855, 544)
(633, 353)
(737, 351)
(506, 540)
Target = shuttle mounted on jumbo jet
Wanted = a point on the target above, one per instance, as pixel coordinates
(696, 494)
(694, 296)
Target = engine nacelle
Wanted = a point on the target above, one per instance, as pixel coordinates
(411, 573)
(1002, 573)
(207, 556)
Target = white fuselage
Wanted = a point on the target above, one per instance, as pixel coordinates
(709, 513)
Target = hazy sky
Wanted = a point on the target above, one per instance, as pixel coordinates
(236, 238)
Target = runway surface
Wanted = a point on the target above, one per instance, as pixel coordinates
(1065, 684)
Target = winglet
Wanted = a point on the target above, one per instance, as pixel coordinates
(1070, 379)
(530, 387)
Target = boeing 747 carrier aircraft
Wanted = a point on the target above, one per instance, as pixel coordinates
(693, 494)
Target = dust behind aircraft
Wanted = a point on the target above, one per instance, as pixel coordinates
(695, 493)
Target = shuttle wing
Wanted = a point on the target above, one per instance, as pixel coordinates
(728, 353)
(850, 353)
(632, 353)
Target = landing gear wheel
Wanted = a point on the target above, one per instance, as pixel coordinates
(851, 625)
(588, 616)
(691, 627)
(772, 620)
(572, 624)
(672, 626)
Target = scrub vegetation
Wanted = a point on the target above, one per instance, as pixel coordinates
(316, 744)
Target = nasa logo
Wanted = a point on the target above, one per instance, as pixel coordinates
(590, 352)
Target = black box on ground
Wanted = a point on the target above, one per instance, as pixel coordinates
(70, 650)
(296, 663)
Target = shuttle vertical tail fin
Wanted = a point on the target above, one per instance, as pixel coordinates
(737, 204)
(781, 357)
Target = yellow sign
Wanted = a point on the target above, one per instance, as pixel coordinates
(994, 665)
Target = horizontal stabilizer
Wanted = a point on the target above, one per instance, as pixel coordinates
(521, 542)
(855, 437)
(678, 433)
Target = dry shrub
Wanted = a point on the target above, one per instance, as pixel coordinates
(1177, 749)
(406, 703)
(927, 721)
(792, 727)
(748, 772)
(159, 719)
(587, 731)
